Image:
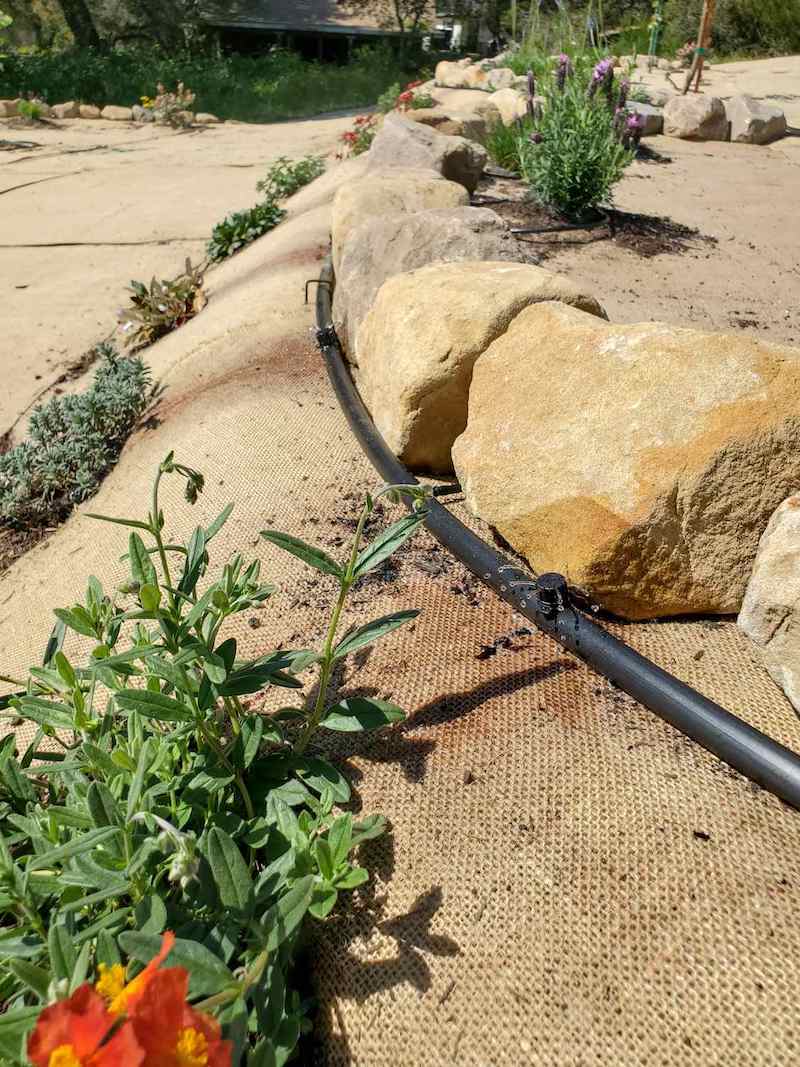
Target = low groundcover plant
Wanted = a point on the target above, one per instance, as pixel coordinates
(159, 816)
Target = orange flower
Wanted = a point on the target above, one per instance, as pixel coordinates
(121, 996)
(70, 1033)
(171, 1032)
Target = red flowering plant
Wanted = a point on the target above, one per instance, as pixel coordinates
(358, 139)
(170, 796)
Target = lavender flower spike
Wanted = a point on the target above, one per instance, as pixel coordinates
(603, 74)
(624, 89)
(563, 71)
(531, 95)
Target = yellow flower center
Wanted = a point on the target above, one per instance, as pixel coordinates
(191, 1049)
(111, 981)
(63, 1056)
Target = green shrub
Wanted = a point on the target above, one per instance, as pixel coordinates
(31, 110)
(166, 798)
(580, 145)
(72, 442)
(285, 177)
(506, 145)
(387, 101)
(740, 26)
(162, 306)
(259, 88)
(238, 230)
(421, 100)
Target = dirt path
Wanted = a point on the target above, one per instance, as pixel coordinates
(96, 204)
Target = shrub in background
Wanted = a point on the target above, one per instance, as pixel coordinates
(72, 442)
(284, 177)
(167, 799)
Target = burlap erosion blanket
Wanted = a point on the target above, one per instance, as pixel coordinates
(568, 880)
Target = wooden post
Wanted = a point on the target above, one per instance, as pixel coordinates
(703, 41)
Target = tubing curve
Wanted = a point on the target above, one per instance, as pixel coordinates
(545, 601)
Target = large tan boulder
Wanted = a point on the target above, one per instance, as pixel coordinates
(450, 75)
(501, 78)
(511, 103)
(89, 111)
(696, 118)
(380, 248)
(754, 122)
(112, 113)
(641, 461)
(70, 110)
(9, 109)
(770, 613)
(419, 342)
(402, 143)
(381, 195)
(477, 77)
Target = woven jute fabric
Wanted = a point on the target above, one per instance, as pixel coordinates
(567, 881)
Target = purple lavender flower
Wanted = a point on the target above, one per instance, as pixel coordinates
(634, 128)
(624, 89)
(563, 71)
(603, 75)
(531, 95)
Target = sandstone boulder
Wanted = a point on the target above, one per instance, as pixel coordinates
(643, 461)
(477, 77)
(419, 342)
(696, 118)
(501, 78)
(454, 123)
(9, 109)
(402, 143)
(511, 104)
(70, 110)
(381, 248)
(116, 114)
(89, 111)
(451, 75)
(653, 118)
(381, 195)
(754, 122)
(205, 118)
(770, 613)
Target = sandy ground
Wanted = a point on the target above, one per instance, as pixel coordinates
(99, 203)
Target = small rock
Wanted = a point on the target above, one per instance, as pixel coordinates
(653, 117)
(696, 118)
(754, 122)
(9, 109)
(205, 118)
(89, 111)
(142, 114)
(476, 77)
(770, 613)
(70, 110)
(117, 114)
(452, 75)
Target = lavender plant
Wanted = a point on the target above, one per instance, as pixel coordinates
(164, 799)
(577, 150)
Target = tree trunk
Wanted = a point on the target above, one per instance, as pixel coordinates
(81, 24)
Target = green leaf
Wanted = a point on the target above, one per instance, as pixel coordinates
(119, 522)
(324, 858)
(285, 916)
(106, 950)
(65, 669)
(81, 968)
(207, 973)
(340, 837)
(321, 775)
(100, 759)
(55, 642)
(195, 558)
(361, 713)
(386, 543)
(231, 873)
(151, 914)
(142, 568)
(154, 705)
(47, 712)
(20, 948)
(37, 979)
(355, 877)
(142, 765)
(75, 847)
(102, 806)
(62, 951)
(368, 829)
(371, 631)
(15, 1025)
(218, 523)
(314, 557)
(150, 597)
(78, 619)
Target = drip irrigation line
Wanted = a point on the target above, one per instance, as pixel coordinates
(547, 603)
